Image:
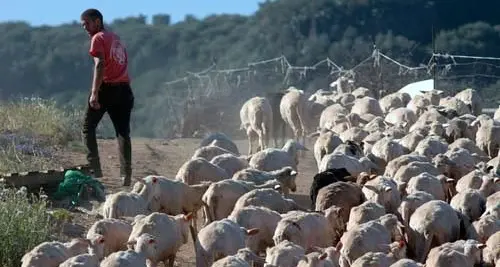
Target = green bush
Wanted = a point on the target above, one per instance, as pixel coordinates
(25, 223)
(32, 130)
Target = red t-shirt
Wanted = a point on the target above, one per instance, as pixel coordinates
(115, 56)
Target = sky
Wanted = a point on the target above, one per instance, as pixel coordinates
(54, 12)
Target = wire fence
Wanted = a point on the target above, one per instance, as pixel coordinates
(210, 99)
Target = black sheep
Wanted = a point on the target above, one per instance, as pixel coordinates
(325, 178)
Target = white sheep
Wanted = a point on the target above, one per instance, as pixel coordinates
(383, 191)
(220, 140)
(411, 202)
(220, 239)
(431, 146)
(269, 198)
(339, 160)
(82, 260)
(365, 212)
(128, 258)
(256, 117)
(435, 222)
(437, 186)
(470, 203)
(323, 257)
(197, 170)
(209, 152)
(486, 226)
(367, 105)
(262, 218)
(285, 253)
(159, 236)
(411, 140)
(394, 165)
(406, 263)
(472, 99)
(385, 150)
(413, 169)
(126, 204)
(491, 254)
(107, 236)
(51, 254)
(401, 116)
(344, 195)
(220, 197)
(306, 229)
(230, 163)
(286, 176)
(326, 143)
(271, 159)
(293, 110)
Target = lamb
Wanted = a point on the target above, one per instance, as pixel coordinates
(256, 116)
(469, 145)
(365, 212)
(457, 128)
(401, 115)
(293, 110)
(487, 137)
(411, 202)
(432, 224)
(268, 198)
(468, 250)
(209, 152)
(127, 258)
(286, 176)
(220, 140)
(51, 254)
(328, 116)
(194, 171)
(411, 140)
(325, 178)
(383, 191)
(326, 143)
(271, 159)
(447, 257)
(286, 253)
(344, 195)
(470, 203)
(413, 169)
(455, 104)
(220, 197)
(107, 236)
(230, 163)
(305, 229)
(220, 239)
(262, 218)
(82, 260)
(159, 236)
(391, 102)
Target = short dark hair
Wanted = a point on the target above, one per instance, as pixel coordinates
(93, 14)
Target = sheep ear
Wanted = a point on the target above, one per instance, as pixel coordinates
(293, 173)
(323, 256)
(252, 231)
(151, 241)
(188, 216)
(154, 179)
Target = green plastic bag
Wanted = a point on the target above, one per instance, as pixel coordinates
(73, 185)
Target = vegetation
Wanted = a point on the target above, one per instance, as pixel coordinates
(24, 223)
(53, 61)
(32, 131)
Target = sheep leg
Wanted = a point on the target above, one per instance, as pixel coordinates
(250, 140)
(260, 133)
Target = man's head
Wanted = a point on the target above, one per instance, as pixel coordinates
(91, 20)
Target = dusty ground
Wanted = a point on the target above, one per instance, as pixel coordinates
(162, 157)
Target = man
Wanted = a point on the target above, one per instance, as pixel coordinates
(110, 92)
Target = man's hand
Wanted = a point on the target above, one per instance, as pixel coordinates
(94, 100)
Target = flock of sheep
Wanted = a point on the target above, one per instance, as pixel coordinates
(401, 181)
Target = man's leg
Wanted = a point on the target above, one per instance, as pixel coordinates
(91, 120)
(120, 113)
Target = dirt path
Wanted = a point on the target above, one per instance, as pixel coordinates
(161, 157)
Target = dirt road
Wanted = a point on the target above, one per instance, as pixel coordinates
(161, 157)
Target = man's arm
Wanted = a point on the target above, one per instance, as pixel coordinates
(98, 72)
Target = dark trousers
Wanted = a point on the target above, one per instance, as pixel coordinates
(118, 101)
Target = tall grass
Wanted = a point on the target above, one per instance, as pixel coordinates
(32, 130)
(25, 223)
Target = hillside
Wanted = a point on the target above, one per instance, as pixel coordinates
(53, 61)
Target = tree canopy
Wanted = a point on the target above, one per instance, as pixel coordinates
(54, 61)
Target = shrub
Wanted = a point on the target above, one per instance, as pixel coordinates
(31, 131)
(25, 223)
